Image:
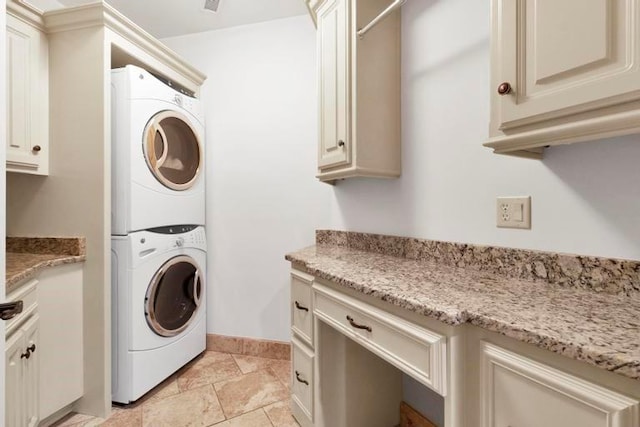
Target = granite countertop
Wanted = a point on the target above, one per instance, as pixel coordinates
(597, 325)
(27, 256)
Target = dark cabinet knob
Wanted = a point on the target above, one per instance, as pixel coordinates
(341, 143)
(504, 88)
(25, 355)
(36, 148)
(32, 348)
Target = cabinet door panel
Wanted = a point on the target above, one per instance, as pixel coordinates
(31, 372)
(14, 390)
(565, 57)
(517, 391)
(19, 109)
(333, 51)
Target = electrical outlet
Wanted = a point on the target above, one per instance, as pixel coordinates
(514, 212)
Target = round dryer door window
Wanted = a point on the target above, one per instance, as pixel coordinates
(172, 150)
(173, 296)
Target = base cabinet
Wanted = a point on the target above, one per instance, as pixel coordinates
(518, 391)
(351, 372)
(22, 350)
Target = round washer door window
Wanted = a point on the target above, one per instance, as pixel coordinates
(173, 296)
(172, 150)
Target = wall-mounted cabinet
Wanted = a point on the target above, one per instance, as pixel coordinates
(563, 72)
(359, 91)
(27, 93)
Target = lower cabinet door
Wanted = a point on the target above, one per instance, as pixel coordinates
(31, 372)
(519, 392)
(14, 390)
(302, 382)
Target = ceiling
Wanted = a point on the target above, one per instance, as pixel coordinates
(168, 18)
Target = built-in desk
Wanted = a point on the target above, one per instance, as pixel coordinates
(488, 349)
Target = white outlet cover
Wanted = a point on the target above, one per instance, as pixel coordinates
(513, 212)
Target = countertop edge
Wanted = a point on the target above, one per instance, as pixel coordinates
(12, 283)
(613, 362)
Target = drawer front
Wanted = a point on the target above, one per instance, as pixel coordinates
(302, 378)
(301, 306)
(413, 349)
(517, 391)
(29, 296)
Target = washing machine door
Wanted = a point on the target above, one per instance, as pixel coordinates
(173, 150)
(174, 296)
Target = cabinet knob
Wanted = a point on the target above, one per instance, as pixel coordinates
(36, 148)
(341, 143)
(504, 88)
(31, 348)
(25, 355)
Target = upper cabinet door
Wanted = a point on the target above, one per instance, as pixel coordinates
(565, 57)
(27, 98)
(333, 54)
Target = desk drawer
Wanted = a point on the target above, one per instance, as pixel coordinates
(419, 352)
(29, 296)
(301, 306)
(302, 378)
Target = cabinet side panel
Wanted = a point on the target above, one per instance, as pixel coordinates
(75, 198)
(376, 112)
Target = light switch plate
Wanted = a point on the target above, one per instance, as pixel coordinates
(513, 212)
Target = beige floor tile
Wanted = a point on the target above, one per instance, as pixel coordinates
(251, 391)
(280, 414)
(197, 407)
(282, 369)
(78, 420)
(168, 387)
(252, 419)
(252, 363)
(211, 368)
(131, 417)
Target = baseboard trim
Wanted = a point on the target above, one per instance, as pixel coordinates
(249, 346)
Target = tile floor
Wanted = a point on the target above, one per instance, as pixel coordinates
(216, 389)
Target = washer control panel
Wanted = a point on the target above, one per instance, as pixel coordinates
(160, 240)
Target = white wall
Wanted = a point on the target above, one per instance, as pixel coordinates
(585, 197)
(263, 199)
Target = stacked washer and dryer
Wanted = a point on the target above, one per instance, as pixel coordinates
(158, 246)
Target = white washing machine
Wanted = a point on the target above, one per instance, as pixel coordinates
(157, 154)
(158, 306)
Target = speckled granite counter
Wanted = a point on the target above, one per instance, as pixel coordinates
(597, 324)
(26, 256)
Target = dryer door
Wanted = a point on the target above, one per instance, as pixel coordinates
(172, 150)
(173, 296)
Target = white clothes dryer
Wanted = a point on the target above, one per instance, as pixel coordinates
(157, 154)
(158, 306)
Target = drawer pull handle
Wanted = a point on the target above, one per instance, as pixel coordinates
(300, 380)
(301, 307)
(357, 326)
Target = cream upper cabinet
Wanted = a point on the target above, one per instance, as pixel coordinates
(359, 90)
(518, 391)
(27, 97)
(563, 71)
